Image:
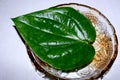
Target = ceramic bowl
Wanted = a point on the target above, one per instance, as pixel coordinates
(105, 45)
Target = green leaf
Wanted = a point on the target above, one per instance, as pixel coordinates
(60, 37)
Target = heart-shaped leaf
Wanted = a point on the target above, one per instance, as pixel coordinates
(60, 37)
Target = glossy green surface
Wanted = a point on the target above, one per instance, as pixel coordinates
(60, 37)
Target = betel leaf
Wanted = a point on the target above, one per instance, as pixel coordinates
(60, 37)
